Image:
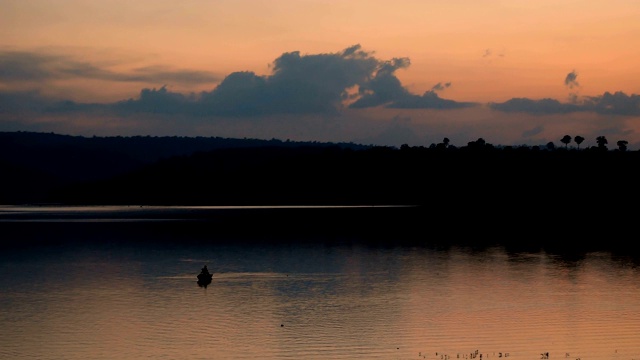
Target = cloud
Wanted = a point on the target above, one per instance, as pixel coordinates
(383, 87)
(617, 103)
(543, 106)
(439, 86)
(155, 101)
(22, 66)
(19, 101)
(299, 84)
(429, 100)
(571, 80)
(340, 96)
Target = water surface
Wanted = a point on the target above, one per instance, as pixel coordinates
(130, 295)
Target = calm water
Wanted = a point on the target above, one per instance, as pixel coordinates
(122, 295)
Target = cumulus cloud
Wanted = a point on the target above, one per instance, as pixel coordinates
(301, 84)
(383, 87)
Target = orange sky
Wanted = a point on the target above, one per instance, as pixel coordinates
(489, 51)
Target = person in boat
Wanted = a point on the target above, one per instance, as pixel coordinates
(204, 270)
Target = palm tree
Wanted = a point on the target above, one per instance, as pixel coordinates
(578, 139)
(602, 142)
(566, 140)
(622, 145)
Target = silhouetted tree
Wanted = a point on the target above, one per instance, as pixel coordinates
(551, 146)
(622, 145)
(578, 139)
(566, 140)
(478, 144)
(602, 142)
(443, 145)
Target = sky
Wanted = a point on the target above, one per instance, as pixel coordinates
(512, 72)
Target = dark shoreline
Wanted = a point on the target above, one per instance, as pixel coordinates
(368, 225)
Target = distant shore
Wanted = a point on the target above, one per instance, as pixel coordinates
(380, 224)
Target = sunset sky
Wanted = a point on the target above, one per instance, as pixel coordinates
(375, 72)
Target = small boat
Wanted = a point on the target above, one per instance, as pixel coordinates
(204, 278)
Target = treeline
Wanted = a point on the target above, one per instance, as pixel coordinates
(477, 177)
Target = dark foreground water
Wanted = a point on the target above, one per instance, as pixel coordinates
(99, 283)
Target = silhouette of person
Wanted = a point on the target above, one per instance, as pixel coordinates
(205, 270)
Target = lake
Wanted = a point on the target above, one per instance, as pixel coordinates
(120, 283)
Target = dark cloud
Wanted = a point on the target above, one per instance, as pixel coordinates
(383, 87)
(20, 101)
(20, 66)
(156, 101)
(430, 100)
(317, 83)
(16, 66)
(439, 86)
(239, 94)
(298, 84)
(571, 80)
(617, 103)
(543, 106)
(33, 102)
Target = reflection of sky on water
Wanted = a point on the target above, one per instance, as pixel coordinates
(314, 301)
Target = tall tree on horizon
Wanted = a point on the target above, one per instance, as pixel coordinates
(622, 145)
(602, 142)
(566, 140)
(578, 139)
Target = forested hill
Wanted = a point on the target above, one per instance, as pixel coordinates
(36, 165)
(476, 178)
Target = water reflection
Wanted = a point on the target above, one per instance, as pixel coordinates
(314, 301)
